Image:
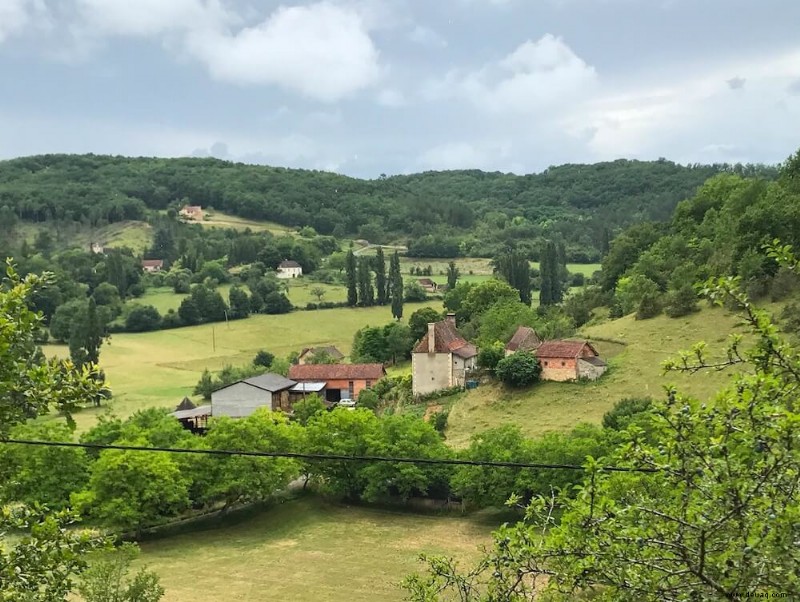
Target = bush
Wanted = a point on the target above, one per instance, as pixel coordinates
(368, 399)
(171, 320)
(143, 318)
(521, 369)
(577, 279)
(263, 358)
(414, 292)
(305, 409)
(488, 357)
(681, 302)
(439, 421)
(626, 411)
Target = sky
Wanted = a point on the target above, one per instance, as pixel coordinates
(371, 87)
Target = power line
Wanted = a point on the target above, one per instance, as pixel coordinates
(321, 457)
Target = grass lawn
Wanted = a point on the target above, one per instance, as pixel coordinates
(300, 292)
(308, 550)
(159, 368)
(634, 370)
(218, 219)
(133, 234)
(480, 268)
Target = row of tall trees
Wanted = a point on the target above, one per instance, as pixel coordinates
(364, 291)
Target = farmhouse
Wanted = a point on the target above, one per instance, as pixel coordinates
(442, 358)
(152, 265)
(569, 360)
(242, 398)
(343, 381)
(331, 351)
(193, 212)
(289, 269)
(524, 339)
(428, 285)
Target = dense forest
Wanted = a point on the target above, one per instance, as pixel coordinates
(439, 214)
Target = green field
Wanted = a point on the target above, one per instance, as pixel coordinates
(159, 368)
(133, 234)
(308, 550)
(634, 371)
(476, 269)
(218, 219)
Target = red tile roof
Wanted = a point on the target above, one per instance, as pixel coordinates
(525, 339)
(337, 372)
(152, 263)
(564, 349)
(446, 339)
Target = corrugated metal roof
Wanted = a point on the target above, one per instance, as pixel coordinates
(197, 412)
(270, 382)
(309, 387)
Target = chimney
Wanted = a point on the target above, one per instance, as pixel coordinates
(451, 318)
(431, 337)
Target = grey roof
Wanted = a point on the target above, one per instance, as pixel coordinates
(186, 404)
(309, 387)
(289, 263)
(594, 360)
(193, 413)
(270, 382)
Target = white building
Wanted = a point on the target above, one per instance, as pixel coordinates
(289, 269)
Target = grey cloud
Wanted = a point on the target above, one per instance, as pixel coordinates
(794, 88)
(736, 83)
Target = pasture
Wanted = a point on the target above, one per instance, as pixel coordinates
(307, 549)
(132, 234)
(218, 219)
(159, 368)
(635, 351)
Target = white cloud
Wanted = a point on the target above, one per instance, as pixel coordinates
(545, 73)
(18, 15)
(467, 155)
(149, 17)
(322, 51)
(425, 36)
(390, 97)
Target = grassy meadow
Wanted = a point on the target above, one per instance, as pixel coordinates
(218, 219)
(159, 368)
(133, 234)
(307, 549)
(635, 359)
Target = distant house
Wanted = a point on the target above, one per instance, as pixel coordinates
(331, 351)
(242, 398)
(429, 285)
(569, 360)
(524, 339)
(152, 265)
(97, 248)
(442, 358)
(289, 269)
(342, 381)
(193, 212)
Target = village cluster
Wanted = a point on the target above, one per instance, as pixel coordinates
(442, 359)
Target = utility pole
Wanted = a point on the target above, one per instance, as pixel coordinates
(213, 339)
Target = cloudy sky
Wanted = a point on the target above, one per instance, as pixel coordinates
(366, 87)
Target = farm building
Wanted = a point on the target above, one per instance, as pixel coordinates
(524, 339)
(442, 358)
(289, 269)
(242, 398)
(192, 417)
(343, 381)
(193, 212)
(152, 265)
(569, 360)
(302, 390)
(331, 351)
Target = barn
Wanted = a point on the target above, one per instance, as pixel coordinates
(569, 360)
(242, 398)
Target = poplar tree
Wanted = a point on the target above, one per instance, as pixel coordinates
(396, 286)
(366, 293)
(513, 266)
(380, 277)
(350, 273)
(453, 273)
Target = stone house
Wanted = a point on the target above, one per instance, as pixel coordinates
(289, 269)
(342, 381)
(330, 350)
(524, 339)
(569, 360)
(192, 212)
(152, 265)
(242, 398)
(442, 358)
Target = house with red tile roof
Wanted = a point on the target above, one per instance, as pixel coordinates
(442, 358)
(343, 381)
(569, 360)
(152, 265)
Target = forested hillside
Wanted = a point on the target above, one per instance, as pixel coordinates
(440, 213)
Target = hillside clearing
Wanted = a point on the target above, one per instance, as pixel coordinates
(308, 550)
(634, 371)
(218, 219)
(135, 235)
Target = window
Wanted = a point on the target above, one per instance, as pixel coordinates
(351, 389)
(563, 364)
(369, 384)
(545, 363)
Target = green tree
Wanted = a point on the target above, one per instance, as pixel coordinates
(239, 303)
(189, 312)
(366, 292)
(454, 300)
(453, 274)
(107, 579)
(513, 266)
(43, 564)
(63, 319)
(499, 321)
(396, 284)
(308, 407)
(550, 289)
(486, 294)
(205, 386)
(107, 294)
(419, 320)
(520, 369)
(263, 358)
(398, 340)
(143, 318)
(380, 277)
(86, 336)
(351, 278)
(414, 293)
(318, 292)
(490, 355)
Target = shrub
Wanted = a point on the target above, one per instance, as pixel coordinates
(263, 358)
(143, 318)
(368, 399)
(681, 302)
(521, 369)
(439, 421)
(625, 411)
(488, 357)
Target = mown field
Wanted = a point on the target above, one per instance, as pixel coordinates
(218, 219)
(635, 361)
(308, 550)
(159, 368)
(133, 234)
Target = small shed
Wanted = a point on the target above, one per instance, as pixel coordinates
(569, 360)
(194, 418)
